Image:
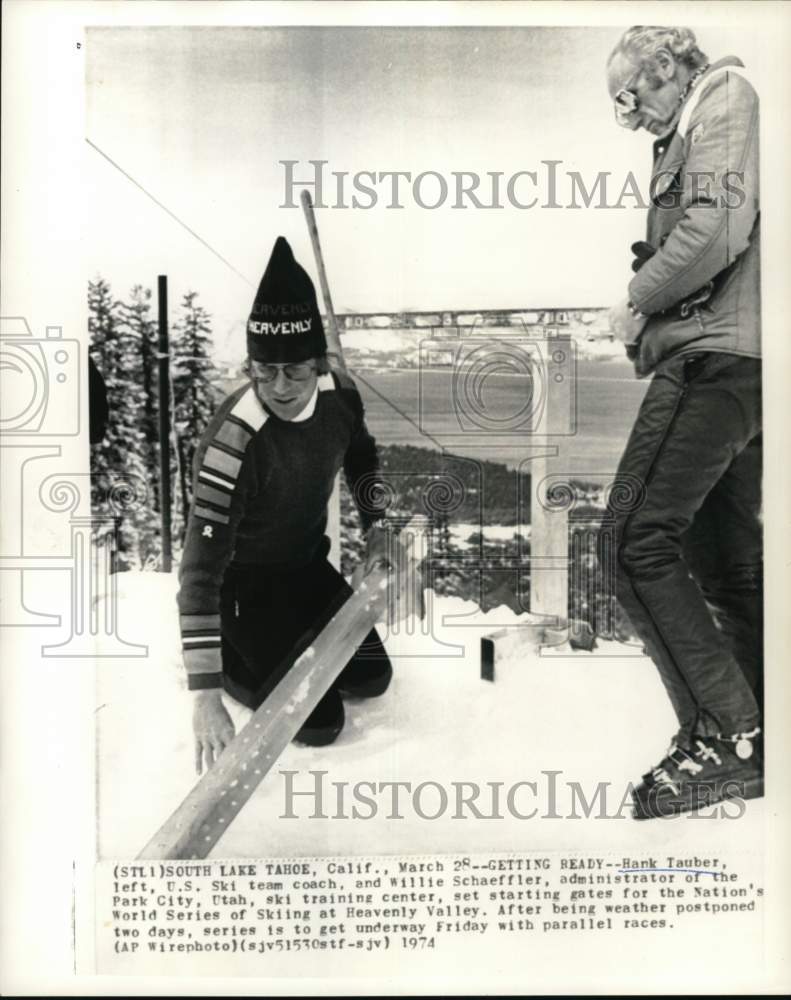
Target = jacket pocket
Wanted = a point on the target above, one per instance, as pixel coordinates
(693, 365)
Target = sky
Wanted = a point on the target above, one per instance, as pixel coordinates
(201, 117)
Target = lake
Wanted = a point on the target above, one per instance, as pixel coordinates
(403, 407)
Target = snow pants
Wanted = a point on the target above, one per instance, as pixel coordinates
(689, 543)
(269, 618)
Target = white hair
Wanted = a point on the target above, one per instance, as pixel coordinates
(640, 45)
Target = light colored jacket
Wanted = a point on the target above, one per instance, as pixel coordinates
(704, 220)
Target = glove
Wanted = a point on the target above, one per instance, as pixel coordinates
(642, 252)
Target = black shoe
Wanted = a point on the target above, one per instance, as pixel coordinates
(710, 770)
(365, 678)
(324, 723)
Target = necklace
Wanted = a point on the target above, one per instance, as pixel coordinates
(691, 83)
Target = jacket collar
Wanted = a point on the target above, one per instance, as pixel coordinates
(664, 141)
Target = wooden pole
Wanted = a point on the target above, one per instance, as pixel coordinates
(333, 335)
(163, 360)
(335, 353)
(548, 519)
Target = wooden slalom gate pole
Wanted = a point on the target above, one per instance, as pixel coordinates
(335, 353)
(333, 335)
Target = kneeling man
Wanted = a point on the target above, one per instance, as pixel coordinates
(256, 586)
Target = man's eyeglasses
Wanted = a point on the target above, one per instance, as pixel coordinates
(297, 372)
(627, 104)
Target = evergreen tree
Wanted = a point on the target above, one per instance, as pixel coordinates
(194, 396)
(120, 453)
(140, 334)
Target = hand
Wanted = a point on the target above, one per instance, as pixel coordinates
(212, 726)
(623, 324)
(377, 548)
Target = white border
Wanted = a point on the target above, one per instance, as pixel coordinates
(47, 820)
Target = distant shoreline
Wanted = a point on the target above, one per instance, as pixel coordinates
(385, 369)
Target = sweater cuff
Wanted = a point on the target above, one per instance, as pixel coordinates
(201, 649)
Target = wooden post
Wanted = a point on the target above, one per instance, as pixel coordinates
(163, 358)
(333, 335)
(487, 657)
(548, 512)
(335, 353)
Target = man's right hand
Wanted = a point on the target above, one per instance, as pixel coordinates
(624, 324)
(212, 726)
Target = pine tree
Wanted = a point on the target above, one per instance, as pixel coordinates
(140, 335)
(120, 453)
(194, 396)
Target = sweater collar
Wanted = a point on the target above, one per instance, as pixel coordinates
(307, 411)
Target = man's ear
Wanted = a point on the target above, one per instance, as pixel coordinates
(665, 64)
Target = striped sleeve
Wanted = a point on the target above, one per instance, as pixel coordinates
(217, 507)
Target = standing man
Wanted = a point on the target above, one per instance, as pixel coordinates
(256, 587)
(689, 550)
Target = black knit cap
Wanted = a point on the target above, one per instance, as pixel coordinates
(285, 324)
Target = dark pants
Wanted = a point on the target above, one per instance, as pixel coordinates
(269, 618)
(690, 548)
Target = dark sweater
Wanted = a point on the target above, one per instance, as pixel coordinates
(260, 498)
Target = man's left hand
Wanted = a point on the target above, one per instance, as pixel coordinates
(404, 580)
(377, 548)
(626, 326)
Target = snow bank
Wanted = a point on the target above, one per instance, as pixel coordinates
(385, 341)
(593, 717)
(460, 533)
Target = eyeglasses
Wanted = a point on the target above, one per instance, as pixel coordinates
(627, 104)
(298, 372)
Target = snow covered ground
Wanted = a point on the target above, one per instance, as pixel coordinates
(593, 717)
(460, 533)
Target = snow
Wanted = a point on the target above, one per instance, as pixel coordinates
(385, 341)
(460, 533)
(299, 696)
(594, 717)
